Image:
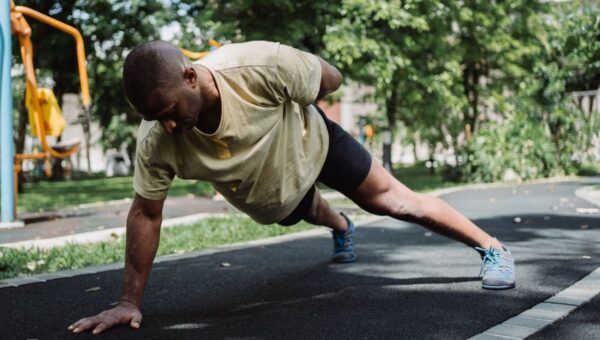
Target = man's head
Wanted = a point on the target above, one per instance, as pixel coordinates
(161, 84)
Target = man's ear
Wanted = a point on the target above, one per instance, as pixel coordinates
(190, 76)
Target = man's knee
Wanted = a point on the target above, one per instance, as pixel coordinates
(401, 204)
(313, 213)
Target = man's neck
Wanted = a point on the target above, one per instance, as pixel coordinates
(210, 115)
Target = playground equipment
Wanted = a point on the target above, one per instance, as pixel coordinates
(199, 55)
(41, 102)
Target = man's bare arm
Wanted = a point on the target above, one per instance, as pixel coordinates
(331, 79)
(143, 234)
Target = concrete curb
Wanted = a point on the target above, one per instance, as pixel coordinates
(590, 194)
(546, 312)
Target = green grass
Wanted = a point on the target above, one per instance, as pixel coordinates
(205, 234)
(43, 196)
(418, 178)
(589, 169)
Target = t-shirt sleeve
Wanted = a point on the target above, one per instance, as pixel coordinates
(152, 177)
(299, 74)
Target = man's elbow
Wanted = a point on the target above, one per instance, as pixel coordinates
(331, 84)
(331, 79)
(337, 79)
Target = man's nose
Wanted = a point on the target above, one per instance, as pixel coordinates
(169, 125)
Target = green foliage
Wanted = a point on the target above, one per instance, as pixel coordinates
(297, 23)
(520, 146)
(120, 135)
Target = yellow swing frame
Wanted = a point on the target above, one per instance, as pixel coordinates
(21, 28)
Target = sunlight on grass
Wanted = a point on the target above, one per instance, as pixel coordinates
(207, 233)
(44, 196)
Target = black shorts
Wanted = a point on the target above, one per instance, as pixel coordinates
(346, 166)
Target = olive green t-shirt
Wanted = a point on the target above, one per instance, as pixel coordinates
(270, 144)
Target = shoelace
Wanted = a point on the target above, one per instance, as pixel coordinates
(342, 243)
(492, 260)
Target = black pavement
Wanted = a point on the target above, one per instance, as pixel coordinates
(406, 284)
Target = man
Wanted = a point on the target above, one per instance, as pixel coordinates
(243, 119)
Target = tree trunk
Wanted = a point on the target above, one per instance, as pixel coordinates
(21, 128)
(391, 112)
(20, 139)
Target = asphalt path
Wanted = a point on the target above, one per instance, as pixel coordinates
(406, 284)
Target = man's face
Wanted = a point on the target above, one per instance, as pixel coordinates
(177, 109)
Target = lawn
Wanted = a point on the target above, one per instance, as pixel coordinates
(43, 196)
(207, 233)
(418, 178)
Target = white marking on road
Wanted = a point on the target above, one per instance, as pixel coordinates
(188, 326)
(547, 312)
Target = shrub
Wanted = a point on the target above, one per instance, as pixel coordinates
(518, 147)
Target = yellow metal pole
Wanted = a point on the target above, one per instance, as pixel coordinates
(83, 76)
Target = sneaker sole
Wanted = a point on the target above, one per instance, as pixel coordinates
(498, 287)
(350, 260)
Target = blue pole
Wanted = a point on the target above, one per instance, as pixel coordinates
(6, 123)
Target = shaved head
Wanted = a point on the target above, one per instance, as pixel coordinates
(150, 67)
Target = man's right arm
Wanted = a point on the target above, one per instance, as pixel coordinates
(143, 234)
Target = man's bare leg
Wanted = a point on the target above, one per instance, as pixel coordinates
(321, 213)
(382, 194)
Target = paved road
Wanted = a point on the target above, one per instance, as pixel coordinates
(407, 284)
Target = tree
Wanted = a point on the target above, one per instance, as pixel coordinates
(436, 65)
(301, 24)
(400, 48)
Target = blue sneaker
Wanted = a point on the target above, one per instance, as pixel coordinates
(497, 269)
(343, 251)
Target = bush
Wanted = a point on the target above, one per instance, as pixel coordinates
(516, 148)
